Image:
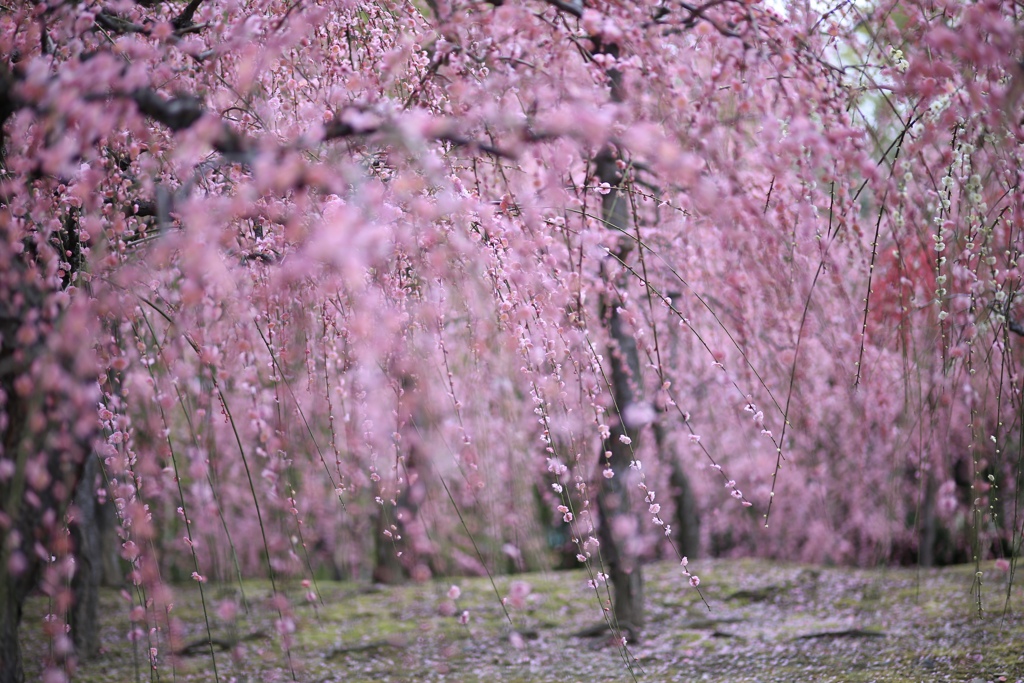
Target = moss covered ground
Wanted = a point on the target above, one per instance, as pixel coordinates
(763, 621)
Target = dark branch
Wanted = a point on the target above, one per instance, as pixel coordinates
(182, 24)
(177, 113)
(184, 20)
(337, 129)
(460, 141)
(1012, 325)
(181, 112)
(9, 102)
(567, 7)
(112, 22)
(698, 13)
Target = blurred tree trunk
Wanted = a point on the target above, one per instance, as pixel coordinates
(37, 423)
(687, 517)
(111, 574)
(687, 513)
(387, 567)
(15, 586)
(619, 530)
(399, 553)
(12, 599)
(88, 548)
(929, 524)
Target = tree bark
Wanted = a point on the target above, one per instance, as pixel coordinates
(687, 513)
(111, 574)
(620, 524)
(687, 517)
(929, 524)
(618, 532)
(14, 585)
(85, 583)
(13, 591)
(32, 510)
(400, 552)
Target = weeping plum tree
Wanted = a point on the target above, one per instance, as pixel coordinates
(351, 285)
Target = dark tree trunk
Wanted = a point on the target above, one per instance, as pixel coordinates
(85, 583)
(13, 591)
(618, 534)
(14, 585)
(929, 524)
(687, 513)
(23, 509)
(687, 517)
(620, 526)
(111, 573)
(620, 523)
(387, 567)
(32, 510)
(400, 552)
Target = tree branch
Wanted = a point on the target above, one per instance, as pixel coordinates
(112, 22)
(182, 24)
(184, 20)
(177, 113)
(9, 103)
(567, 7)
